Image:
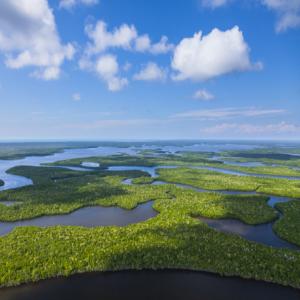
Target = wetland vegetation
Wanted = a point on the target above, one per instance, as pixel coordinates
(213, 180)
(174, 239)
(277, 156)
(188, 159)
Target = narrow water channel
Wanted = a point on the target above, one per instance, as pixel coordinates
(261, 233)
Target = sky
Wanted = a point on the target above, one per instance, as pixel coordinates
(140, 69)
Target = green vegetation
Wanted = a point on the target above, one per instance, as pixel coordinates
(187, 159)
(1, 182)
(141, 160)
(63, 195)
(151, 152)
(143, 180)
(264, 170)
(267, 156)
(175, 238)
(288, 227)
(212, 180)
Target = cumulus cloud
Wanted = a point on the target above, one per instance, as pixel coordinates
(102, 39)
(162, 46)
(151, 72)
(204, 57)
(68, 4)
(288, 12)
(107, 68)
(231, 112)
(232, 129)
(142, 43)
(125, 37)
(204, 95)
(29, 38)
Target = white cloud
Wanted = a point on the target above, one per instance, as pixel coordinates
(236, 129)
(107, 68)
(222, 113)
(102, 39)
(125, 37)
(204, 95)
(204, 57)
(68, 4)
(288, 12)
(29, 38)
(76, 97)
(162, 46)
(151, 72)
(143, 43)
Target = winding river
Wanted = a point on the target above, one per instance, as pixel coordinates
(104, 216)
(167, 284)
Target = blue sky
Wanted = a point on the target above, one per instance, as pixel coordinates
(137, 69)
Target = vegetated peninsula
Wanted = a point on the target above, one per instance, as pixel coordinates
(183, 190)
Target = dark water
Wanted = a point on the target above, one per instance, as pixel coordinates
(89, 217)
(150, 285)
(150, 170)
(262, 233)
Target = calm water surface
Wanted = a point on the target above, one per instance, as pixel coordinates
(149, 285)
(88, 217)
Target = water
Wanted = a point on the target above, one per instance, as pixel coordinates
(261, 233)
(90, 164)
(240, 173)
(13, 181)
(9, 203)
(244, 164)
(168, 284)
(149, 170)
(88, 217)
(149, 285)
